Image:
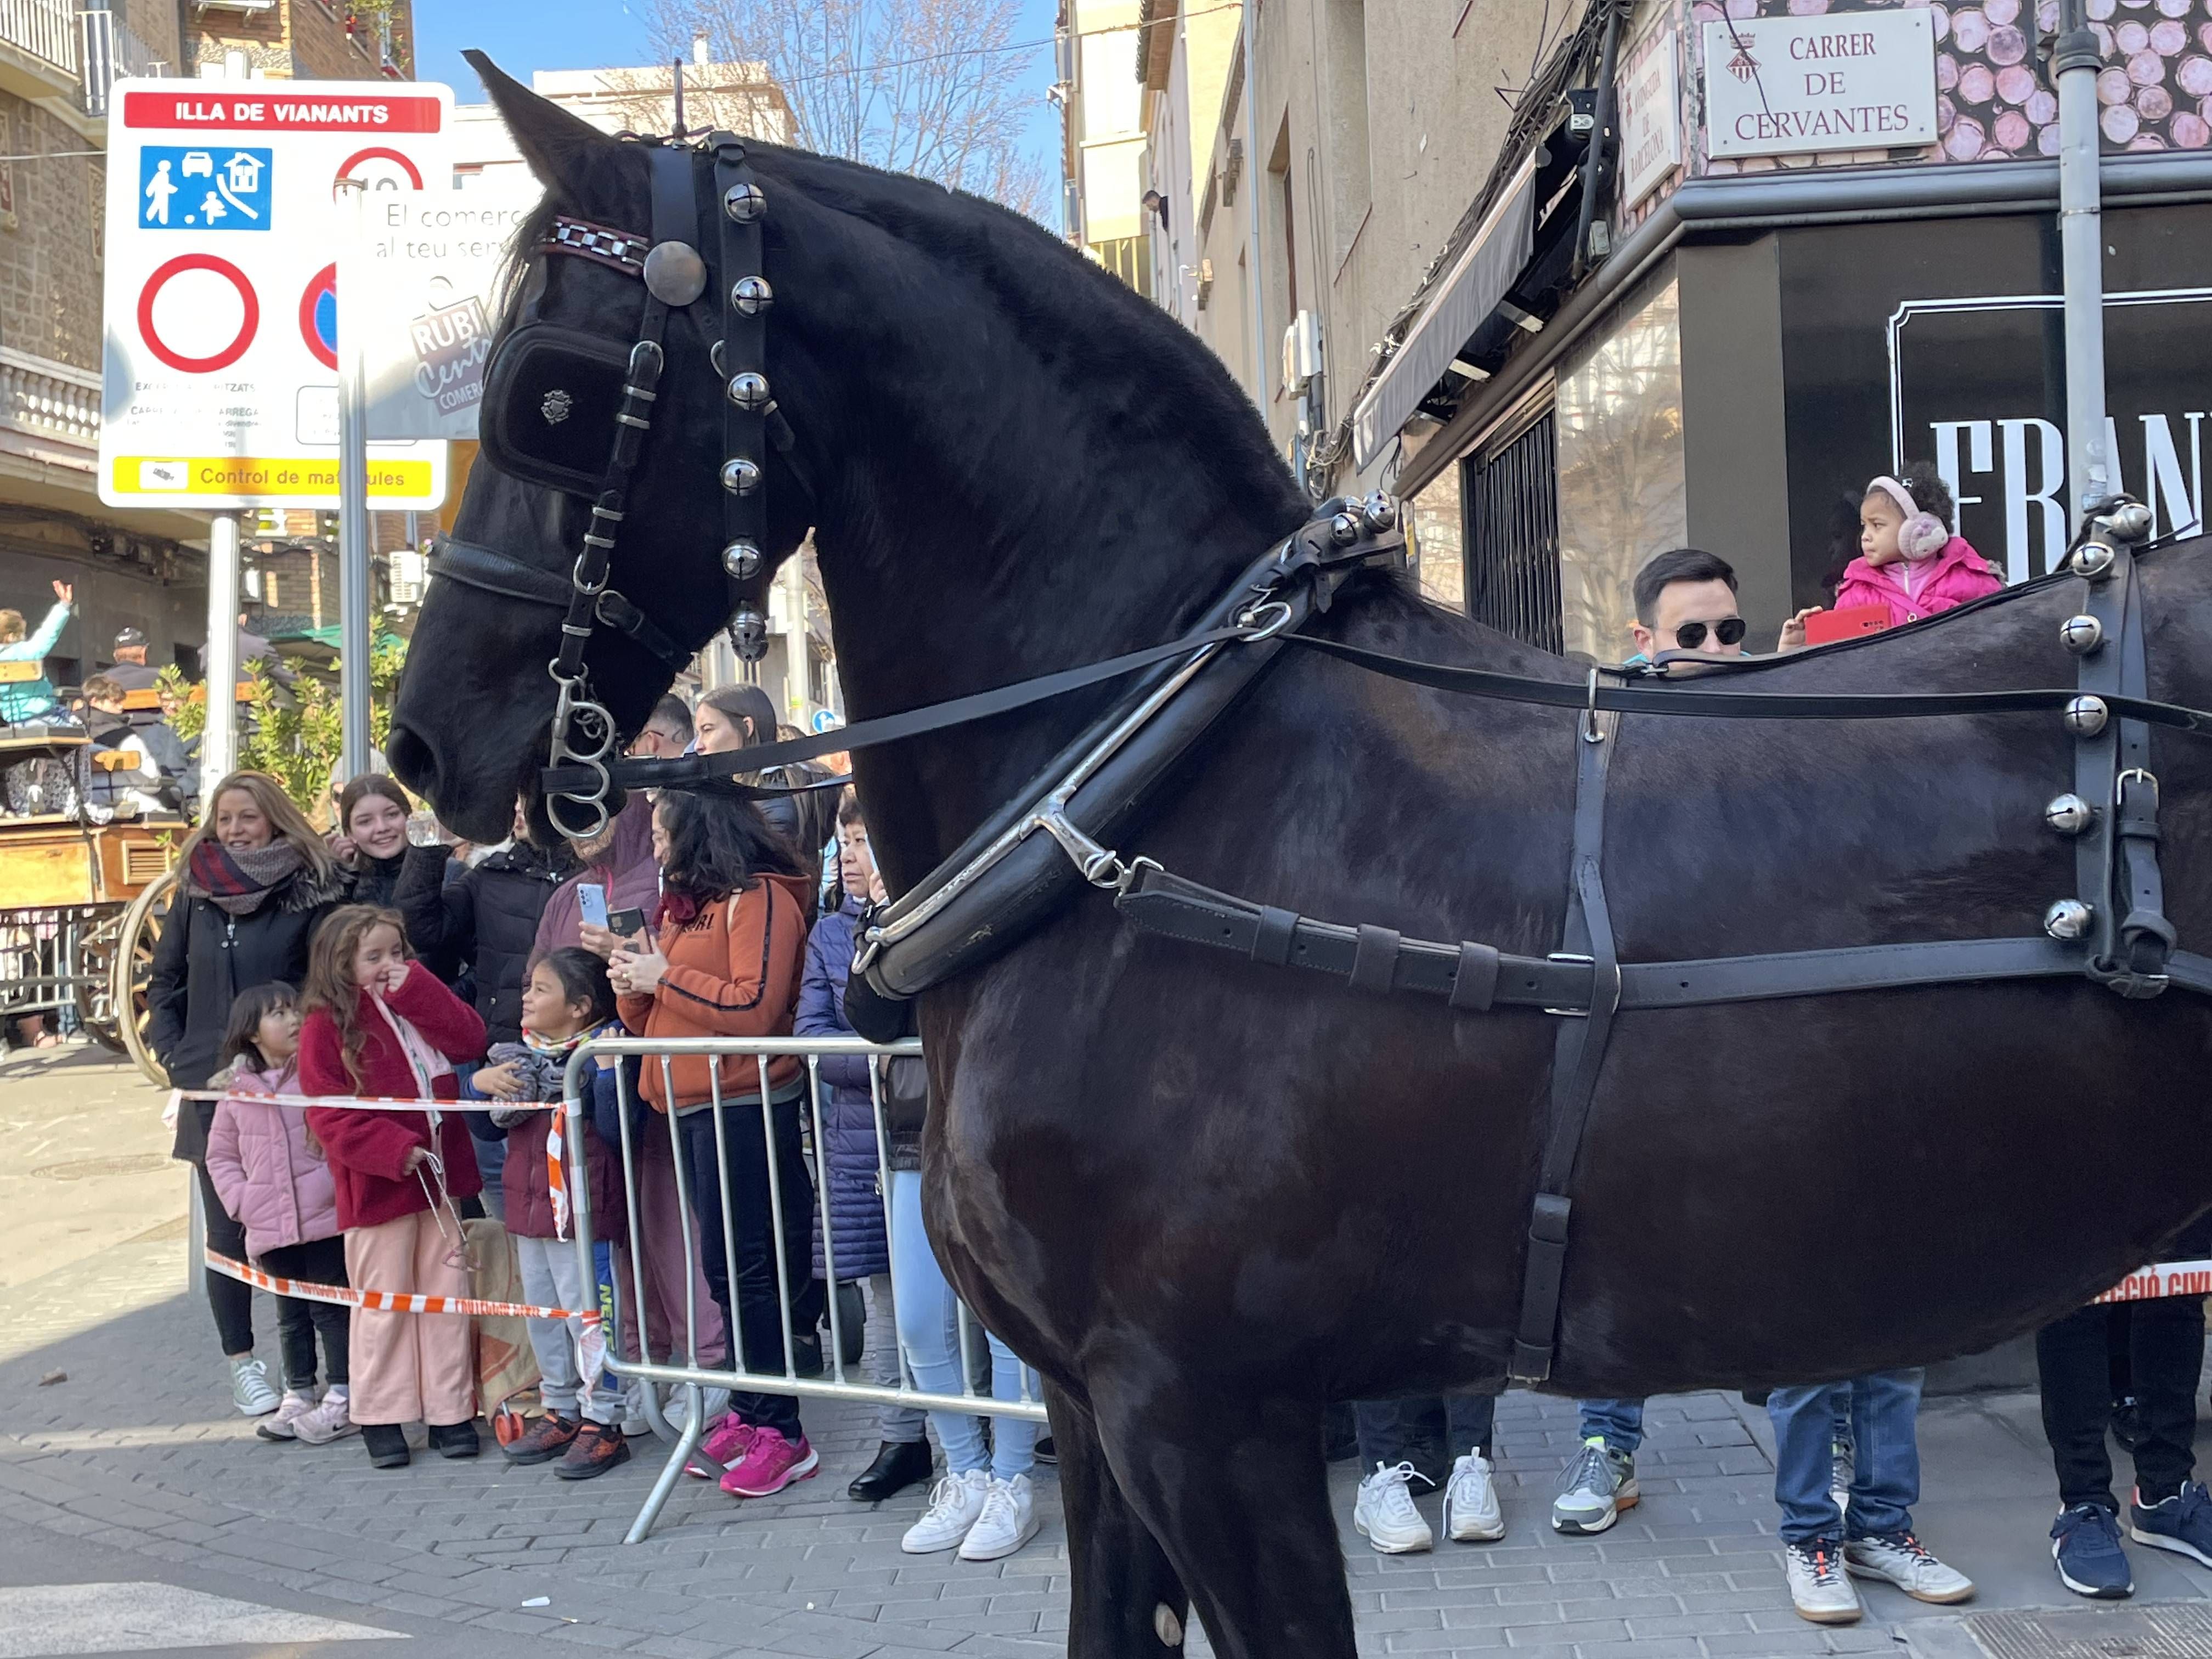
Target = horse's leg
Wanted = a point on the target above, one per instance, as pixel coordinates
(1236, 1490)
(1126, 1599)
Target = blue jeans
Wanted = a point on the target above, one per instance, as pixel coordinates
(1619, 1423)
(1885, 1409)
(929, 1331)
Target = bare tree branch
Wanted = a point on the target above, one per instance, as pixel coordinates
(926, 86)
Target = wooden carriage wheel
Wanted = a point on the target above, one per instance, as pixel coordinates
(140, 930)
(95, 962)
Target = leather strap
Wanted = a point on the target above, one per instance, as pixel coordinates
(2143, 938)
(1576, 1061)
(744, 349)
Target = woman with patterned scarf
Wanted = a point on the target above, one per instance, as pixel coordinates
(256, 880)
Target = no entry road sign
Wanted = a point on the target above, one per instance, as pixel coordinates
(221, 286)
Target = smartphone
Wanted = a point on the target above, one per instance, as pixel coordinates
(626, 924)
(1826, 627)
(592, 902)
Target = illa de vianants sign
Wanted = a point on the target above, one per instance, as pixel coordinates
(1787, 86)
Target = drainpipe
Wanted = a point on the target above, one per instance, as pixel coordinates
(1254, 260)
(2081, 244)
(1597, 166)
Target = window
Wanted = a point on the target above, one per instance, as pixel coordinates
(1351, 181)
(1130, 258)
(1512, 494)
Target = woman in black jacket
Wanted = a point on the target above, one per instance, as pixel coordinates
(484, 920)
(255, 880)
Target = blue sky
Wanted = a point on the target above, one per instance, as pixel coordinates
(523, 35)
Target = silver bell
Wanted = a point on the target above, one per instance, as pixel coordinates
(2069, 814)
(2068, 919)
(2130, 522)
(751, 295)
(1344, 527)
(2085, 716)
(674, 274)
(2081, 635)
(748, 390)
(742, 560)
(749, 635)
(740, 477)
(1382, 512)
(745, 203)
(2094, 560)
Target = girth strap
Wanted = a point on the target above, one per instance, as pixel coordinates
(1577, 1060)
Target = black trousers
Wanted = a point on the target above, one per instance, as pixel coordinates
(756, 1316)
(298, 1322)
(2164, 1339)
(232, 1300)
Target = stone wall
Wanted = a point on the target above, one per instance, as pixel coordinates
(50, 244)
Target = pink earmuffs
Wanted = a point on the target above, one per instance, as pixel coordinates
(1923, 535)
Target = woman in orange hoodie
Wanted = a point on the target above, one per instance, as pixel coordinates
(729, 943)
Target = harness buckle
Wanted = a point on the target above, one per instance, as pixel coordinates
(1249, 618)
(1573, 958)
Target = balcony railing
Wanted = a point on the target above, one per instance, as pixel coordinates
(112, 52)
(48, 399)
(47, 29)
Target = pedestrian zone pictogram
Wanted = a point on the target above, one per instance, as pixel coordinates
(203, 187)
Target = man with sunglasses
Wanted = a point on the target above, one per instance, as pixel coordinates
(1686, 601)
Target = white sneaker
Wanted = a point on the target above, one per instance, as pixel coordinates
(328, 1421)
(282, 1425)
(955, 1503)
(1009, 1521)
(250, 1388)
(1471, 1512)
(1385, 1515)
(1903, 1560)
(1819, 1588)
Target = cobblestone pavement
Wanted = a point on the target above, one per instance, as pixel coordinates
(136, 1453)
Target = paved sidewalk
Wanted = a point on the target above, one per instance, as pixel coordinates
(137, 1455)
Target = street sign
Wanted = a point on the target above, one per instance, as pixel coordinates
(220, 361)
(432, 260)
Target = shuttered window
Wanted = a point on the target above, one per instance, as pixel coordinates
(1512, 497)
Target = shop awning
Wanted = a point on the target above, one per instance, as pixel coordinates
(1477, 280)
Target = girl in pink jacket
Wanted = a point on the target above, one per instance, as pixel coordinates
(1910, 562)
(272, 1175)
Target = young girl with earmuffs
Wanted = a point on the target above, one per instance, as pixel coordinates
(1910, 561)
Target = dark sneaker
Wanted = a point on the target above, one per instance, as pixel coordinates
(545, 1439)
(1045, 1452)
(386, 1443)
(593, 1450)
(2182, 1523)
(455, 1439)
(2085, 1546)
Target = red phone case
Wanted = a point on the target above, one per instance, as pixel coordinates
(1826, 627)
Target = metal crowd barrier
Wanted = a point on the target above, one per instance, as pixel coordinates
(629, 1300)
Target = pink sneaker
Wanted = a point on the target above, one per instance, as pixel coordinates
(721, 1446)
(771, 1464)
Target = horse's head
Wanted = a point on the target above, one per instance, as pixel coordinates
(477, 700)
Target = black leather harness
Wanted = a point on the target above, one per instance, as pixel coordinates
(1025, 860)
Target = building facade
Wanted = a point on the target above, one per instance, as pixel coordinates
(302, 39)
(1101, 97)
(140, 569)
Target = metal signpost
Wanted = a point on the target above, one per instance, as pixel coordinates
(2082, 248)
(221, 364)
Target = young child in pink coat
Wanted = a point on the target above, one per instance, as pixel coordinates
(1911, 562)
(272, 1176)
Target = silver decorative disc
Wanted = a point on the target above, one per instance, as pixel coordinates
(674, 274)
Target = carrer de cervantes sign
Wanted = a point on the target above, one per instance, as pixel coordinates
(1788, 86)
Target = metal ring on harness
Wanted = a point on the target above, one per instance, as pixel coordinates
(1250, 618)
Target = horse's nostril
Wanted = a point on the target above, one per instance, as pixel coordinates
(413, 761)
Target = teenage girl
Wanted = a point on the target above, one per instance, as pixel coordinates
(269, 1173)
(380, 1024)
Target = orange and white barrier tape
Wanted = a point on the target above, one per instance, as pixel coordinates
(346, 1296)
(2162, 1279)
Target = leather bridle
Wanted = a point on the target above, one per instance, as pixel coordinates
(675, 276)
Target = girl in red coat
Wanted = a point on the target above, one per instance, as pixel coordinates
(379, 1023)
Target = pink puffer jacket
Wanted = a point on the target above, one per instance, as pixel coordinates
(264, 1172)
(1954, 576)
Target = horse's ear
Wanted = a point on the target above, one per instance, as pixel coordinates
(573, 159)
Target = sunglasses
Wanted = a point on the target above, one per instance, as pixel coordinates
(1728, 630)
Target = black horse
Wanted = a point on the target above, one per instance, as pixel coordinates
(1204, 1196)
